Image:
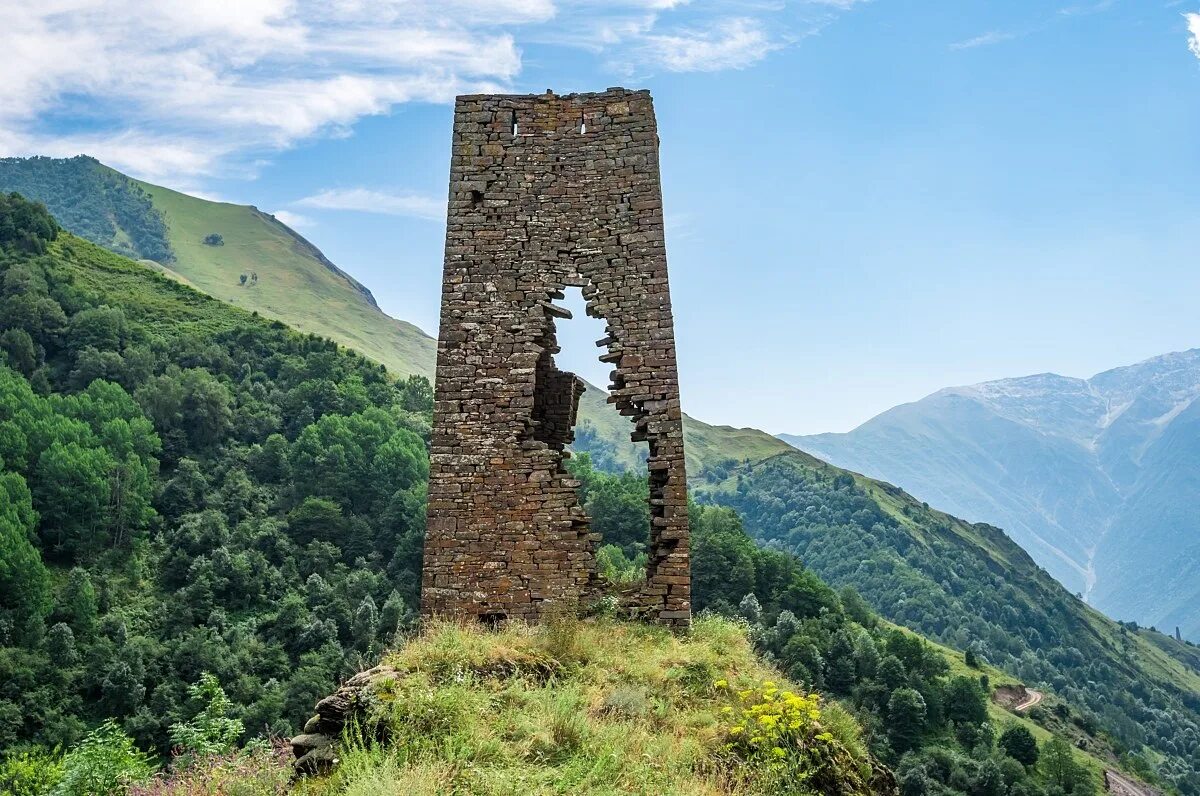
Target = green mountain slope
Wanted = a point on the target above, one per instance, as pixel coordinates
(193, 489)
(971, 587)
(295, 282)
(93, 201)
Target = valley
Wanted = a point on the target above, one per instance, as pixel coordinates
(261, 501)
(1091, 476)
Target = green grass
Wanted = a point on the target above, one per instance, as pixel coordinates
(147, 296)
(295, 284)
(571, 707)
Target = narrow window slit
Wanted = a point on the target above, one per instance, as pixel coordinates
(515, 128)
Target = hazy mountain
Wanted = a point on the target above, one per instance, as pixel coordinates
(1099, 479)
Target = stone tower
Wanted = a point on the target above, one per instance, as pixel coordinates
(547, 192)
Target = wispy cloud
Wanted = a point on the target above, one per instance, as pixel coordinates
(1193, 26)
(365, 200)
(294, 220)
(1083, 9)
(173, 91)
(1061, 16)
(727, 44)
(983, 40)
(844, 5)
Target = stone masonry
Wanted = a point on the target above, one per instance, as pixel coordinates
(547, 192)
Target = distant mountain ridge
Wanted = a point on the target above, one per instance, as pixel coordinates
(1098, 478)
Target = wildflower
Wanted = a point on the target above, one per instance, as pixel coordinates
(721, 684)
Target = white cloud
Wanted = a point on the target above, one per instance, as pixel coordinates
(175, 90)
(1193, 25)
(365, 200)
(844, 5)
(294, 220)
(728, 44)
(983, 40)
(152, 79)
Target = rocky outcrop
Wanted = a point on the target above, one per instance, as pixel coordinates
(350, 707)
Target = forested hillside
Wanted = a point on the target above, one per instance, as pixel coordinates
(94, 202)
(972, 588)
(189, 489)
(193, 491)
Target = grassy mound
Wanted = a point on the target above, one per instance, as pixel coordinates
(597, 707)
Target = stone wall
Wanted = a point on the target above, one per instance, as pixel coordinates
(547, 192)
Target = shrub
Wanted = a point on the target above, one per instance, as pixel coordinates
(1019, 744)
(780, 733)
(259, 770)
(105, 763)
(30, 773)
(211, 732)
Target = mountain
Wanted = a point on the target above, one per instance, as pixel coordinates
(192, 490)
(969, 586)
(295, 283)
(1097, 478)
(261, 264)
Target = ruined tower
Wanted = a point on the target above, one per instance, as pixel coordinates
(547, 192)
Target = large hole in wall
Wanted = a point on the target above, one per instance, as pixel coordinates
(617, 496)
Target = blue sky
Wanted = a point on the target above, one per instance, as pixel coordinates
(867, 200)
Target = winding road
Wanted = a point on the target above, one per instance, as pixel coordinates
(1123, 787)
(1032, 699)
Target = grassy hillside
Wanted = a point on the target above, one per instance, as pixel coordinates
(295, 282)
(594, 707)
(605, 435)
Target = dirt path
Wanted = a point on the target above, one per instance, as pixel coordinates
(1123, 787)
(1032, 698)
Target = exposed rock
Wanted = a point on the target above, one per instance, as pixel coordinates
(316, 748)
